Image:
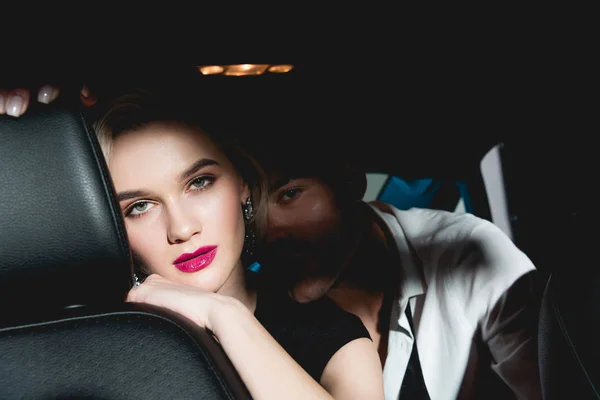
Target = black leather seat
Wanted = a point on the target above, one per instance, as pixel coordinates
(569, 336)
(65, 330)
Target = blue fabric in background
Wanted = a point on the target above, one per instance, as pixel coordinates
(417, 193)
(404, 195)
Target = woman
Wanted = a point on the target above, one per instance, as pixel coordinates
(192, 205)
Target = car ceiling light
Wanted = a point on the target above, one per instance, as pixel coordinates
(244, 69)
(282, 68)
(211, 69)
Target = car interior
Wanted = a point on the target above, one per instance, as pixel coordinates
(469, 147)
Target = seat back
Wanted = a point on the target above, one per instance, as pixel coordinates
(61, 232)
(65, 269)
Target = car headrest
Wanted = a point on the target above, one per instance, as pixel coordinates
(62, 237)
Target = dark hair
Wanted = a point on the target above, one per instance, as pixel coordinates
(303, 156)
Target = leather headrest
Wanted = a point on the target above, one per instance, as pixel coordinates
(62, 237)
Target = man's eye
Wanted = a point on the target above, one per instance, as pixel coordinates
(289, 194)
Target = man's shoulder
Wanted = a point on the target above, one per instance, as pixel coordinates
(428, 223)
(467, 251)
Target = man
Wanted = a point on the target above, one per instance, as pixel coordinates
(453, 281)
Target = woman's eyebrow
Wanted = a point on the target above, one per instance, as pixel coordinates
(198, 165)
(131, 194)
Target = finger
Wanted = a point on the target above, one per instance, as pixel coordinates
(85, 91)
(3, 97)
(134, 295)
(131, 296)
(17, 102)
(48, 93)
(154, 278)
(139, 294)
(87, 97)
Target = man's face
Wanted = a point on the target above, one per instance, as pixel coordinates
(305, 244)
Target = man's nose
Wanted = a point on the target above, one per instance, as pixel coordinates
(276, 230)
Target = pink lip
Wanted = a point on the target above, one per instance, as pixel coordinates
(199, 259)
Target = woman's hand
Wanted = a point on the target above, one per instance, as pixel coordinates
(14, 102)
(264, 366)
(203, 308)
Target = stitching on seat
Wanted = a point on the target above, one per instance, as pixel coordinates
(572, 347)
(116, 314)
(105, 181)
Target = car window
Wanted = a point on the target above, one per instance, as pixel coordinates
(422, 193)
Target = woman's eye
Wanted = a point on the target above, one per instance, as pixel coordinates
(289, 194)
(139, 208)
(201, 182)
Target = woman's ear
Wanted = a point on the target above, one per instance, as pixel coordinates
(244, 192)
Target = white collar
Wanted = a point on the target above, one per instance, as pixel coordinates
(413, 281)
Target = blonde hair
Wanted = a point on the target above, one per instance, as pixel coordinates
(138, 108)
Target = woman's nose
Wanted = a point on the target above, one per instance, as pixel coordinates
(182, 226)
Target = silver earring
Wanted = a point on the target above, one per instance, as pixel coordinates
(136, 281)
(248, 209)
(250, 238)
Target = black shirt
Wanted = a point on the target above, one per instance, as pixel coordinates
(310, 333)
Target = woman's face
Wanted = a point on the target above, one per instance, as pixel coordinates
(181, 199)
